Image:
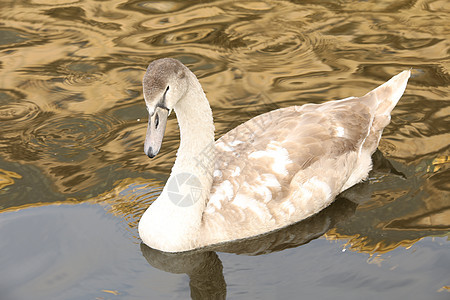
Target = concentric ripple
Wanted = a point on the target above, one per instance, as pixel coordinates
(70, 138)
(15, 113)
(18, 112)
(80, 73)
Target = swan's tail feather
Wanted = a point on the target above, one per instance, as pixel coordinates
(384, 98)
(389, 93)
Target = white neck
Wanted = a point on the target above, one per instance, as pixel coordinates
(196, 131)
(167, 225)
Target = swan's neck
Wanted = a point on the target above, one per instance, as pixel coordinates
(172, 222)
(195, 120)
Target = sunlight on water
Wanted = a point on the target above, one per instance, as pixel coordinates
(73, 118)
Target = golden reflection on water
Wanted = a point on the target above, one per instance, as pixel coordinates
(7, 178)
(73, 120)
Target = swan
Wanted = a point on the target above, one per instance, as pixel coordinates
(272, 171)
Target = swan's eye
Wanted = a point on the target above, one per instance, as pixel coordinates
(156, 121)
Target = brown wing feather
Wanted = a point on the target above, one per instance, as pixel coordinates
(264, 161)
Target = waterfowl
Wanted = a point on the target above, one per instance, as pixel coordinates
(269, 172)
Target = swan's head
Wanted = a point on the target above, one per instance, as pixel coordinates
(164, 84)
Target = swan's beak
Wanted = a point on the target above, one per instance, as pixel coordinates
(155, 131)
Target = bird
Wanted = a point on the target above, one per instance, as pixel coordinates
(272, 171)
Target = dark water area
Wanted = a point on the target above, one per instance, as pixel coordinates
(74, 179)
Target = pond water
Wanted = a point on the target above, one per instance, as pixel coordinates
(74, 179)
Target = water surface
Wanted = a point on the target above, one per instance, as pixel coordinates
(74, 179)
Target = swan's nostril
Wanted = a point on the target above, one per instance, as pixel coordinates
(150, 153)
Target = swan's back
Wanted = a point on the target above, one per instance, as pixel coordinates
(288, 164)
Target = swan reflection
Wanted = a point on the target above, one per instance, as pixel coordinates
(204, 267)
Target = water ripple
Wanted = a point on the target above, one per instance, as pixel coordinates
(70, 138)
(70, 70)
(18, 112)
(14, 111)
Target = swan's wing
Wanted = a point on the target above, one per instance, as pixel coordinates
(285, 165)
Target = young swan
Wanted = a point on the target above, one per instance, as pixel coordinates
(271, 171)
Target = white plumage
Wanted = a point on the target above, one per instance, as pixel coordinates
(274, 170)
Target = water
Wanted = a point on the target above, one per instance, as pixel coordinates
(74, 179)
